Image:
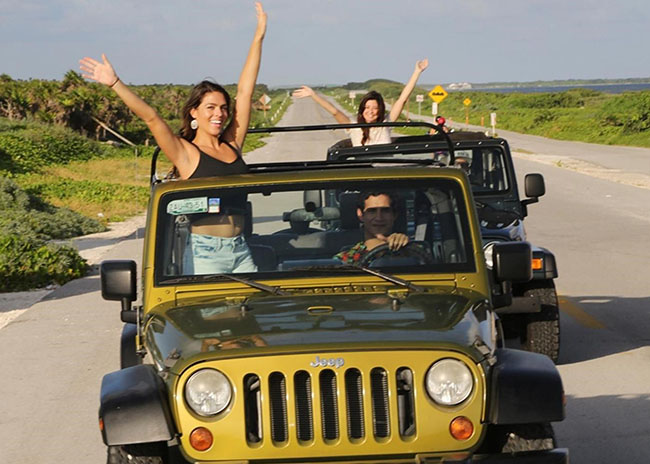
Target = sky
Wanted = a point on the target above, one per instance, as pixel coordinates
(330, 41)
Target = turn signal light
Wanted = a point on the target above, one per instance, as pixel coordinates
(461, 428)
(538, 264)
(201, 439)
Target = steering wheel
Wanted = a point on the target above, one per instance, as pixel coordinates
(417, 250)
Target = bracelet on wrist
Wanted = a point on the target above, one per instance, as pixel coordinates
(113, 84)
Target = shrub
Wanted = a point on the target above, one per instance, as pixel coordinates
(25, 214)
(31, 146)
(27, 262)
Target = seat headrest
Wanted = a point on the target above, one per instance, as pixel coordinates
(312, 200)
(348, 210)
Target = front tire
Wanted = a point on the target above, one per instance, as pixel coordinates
(541, 331)
(147, 453)
(518, 438)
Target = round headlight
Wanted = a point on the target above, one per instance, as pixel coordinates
(208, 392)
(488, 248)
(449, 382)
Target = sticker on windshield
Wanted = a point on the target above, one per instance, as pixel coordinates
(214, 205)
(188, 206)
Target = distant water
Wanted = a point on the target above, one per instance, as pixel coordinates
(607, 88)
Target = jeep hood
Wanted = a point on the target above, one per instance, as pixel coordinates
(301, 323)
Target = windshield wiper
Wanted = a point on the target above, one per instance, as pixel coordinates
(355, 267)
(216, 277)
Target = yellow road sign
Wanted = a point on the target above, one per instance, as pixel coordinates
(467, 101)
(438, 94)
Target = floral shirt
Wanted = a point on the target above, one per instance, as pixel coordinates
(354, 254)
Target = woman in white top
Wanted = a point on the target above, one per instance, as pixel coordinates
(371, 109)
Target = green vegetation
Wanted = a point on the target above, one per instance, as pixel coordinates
(27, 225)
(63, 175)
(27, 263)
(578, 114)
(78, 104)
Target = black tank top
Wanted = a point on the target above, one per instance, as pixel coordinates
(211, 167)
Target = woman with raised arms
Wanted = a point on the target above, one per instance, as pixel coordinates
(371, 109)
(208, 145)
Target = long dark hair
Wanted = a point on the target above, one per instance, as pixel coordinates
(372, 95)
(194, 100)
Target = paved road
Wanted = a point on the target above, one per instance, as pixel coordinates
(292, 146)
(598, 230)
(55, 354)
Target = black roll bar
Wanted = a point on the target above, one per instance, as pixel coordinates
(322, 127)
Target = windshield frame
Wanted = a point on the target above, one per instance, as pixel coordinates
(454, 185)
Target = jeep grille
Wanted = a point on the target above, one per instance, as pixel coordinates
(337, 392)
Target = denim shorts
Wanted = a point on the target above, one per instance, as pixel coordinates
(207, 254)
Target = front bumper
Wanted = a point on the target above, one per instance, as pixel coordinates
(555, 456)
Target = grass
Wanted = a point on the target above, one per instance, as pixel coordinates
(108, 190)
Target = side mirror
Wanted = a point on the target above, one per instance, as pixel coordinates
(512, 262)
(118, 279)
(534, 185)
(534, 188)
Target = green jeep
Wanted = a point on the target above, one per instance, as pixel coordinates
(393, 358)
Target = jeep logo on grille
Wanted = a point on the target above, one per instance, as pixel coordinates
(327, 362)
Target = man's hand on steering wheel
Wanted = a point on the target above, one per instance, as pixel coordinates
(394, 241)
(417, 250)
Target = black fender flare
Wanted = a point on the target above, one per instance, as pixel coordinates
(133, 407)
(525, 388)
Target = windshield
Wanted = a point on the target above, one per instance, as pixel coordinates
(314, 227)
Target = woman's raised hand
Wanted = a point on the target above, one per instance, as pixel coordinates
(303, 92)
(100, 72)
(261, 19)
(422, 65)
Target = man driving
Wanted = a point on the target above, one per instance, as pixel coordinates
(377, 212)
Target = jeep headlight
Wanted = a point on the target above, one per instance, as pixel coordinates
(208, 392)
(449, 382)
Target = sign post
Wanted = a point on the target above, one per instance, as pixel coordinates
(437, 94)
(467, 102)
(493, 122)
(419, 99)
(265, 100)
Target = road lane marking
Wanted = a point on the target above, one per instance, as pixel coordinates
(580, 315)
